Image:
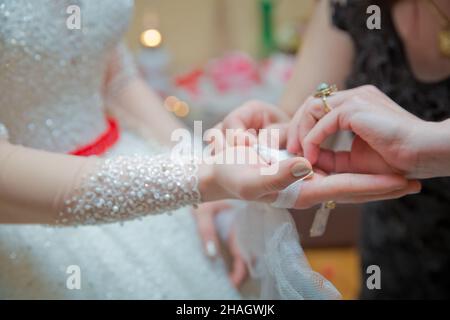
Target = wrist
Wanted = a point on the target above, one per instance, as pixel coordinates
(209, 188)
(432, 140)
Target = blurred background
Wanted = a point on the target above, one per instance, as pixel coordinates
(213, 55)
(195, 31)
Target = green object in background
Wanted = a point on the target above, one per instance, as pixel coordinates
(268, 40)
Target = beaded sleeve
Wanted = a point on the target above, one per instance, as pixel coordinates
(125, 188)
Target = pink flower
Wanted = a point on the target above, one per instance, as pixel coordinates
(235, 71)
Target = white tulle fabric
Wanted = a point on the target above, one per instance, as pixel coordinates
(272, 249)
(274, 256)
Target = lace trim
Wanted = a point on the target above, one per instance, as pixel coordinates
(125, 188)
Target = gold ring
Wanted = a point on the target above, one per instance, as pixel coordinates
(330, 204)
(326, 107)
(323, 91)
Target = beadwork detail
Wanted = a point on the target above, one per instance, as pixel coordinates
(126, 188)
(51, 77)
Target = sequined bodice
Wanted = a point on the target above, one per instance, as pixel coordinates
(51, 75)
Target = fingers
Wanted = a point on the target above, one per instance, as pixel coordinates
(206, 226)
(306, 118)
(293, 142)
(238, 271)
(253, 115)
(205, 223)
(309, 115)
(329, 124)
(208, 235)
(361, 159)
(218, 140)
(282, 129)
(412, 188)
(242, 125)
(240, 137)
(311, 111)
(346, 187)
(309, 132)
(239, 118)
(354, 183)
(285, 173)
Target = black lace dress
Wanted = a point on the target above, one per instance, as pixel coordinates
(408, 238)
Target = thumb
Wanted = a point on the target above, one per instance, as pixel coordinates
(281, 174)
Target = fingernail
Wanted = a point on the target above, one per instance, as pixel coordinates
(301, 170)
(211, 249)
(418, 188)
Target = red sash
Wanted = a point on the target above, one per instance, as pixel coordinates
(101, 144)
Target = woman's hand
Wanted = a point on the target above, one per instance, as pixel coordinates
(239, 173)
(388, 138)
(353, 188)
(246, 182)
(205, 216)
(245, 122)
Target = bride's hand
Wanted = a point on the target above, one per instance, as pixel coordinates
(239, 173)
(208, 228)
(244, 123)
(246, 181)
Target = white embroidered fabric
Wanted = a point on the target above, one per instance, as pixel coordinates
(51, 75)
(52, 100)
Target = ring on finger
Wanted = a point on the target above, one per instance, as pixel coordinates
(323, 91)
(326, 107)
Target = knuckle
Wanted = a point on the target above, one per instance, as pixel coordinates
(316, 108)
(309, 101)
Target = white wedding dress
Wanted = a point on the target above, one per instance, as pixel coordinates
(50, 80)
(51, 99)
